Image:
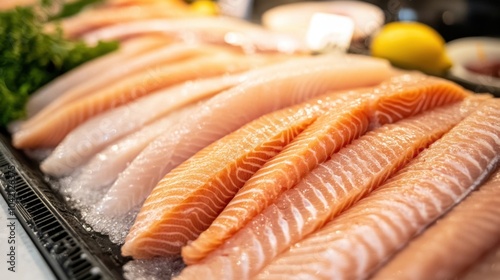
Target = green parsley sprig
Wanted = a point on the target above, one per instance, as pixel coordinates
(30, 58)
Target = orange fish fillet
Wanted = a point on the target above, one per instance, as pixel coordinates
(454, 242)
(487, 268)
(398, 98)
(55, 127)
(195, 192)
(327, 190)
(359, 240)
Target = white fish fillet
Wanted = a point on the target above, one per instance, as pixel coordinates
(221, 30)
(90, 137)
(104, 167)
(144, 62)
(100, 16)
(266, 90)
(89, 70)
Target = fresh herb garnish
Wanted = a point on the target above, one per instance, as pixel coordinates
(30, 58)
(72, 8)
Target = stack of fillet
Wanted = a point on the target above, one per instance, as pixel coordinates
(336, 196)
(252, 163)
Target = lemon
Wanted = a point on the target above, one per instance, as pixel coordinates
(412, 45)
(205, 7)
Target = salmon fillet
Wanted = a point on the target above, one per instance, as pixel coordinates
(448, 247)
(325, 192)
(190, 196)
(400, 97)
(265, 90)
(354, 244)
(487, 268)
(201, 187)
(54, 128)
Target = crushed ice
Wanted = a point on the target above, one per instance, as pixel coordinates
(154, 269)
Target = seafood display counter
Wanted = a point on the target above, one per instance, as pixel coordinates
(159, 139)
(70, 249)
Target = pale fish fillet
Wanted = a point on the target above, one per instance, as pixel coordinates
(400, 97)
(455, 242)
(195, 192)
(149, 61)
(98, 132)
(94, 18)
(220, 30)
(104, 167)
(266, 90)
(10, 4)
(111, 3)
(89, 70)
(354, 244)
(487, 268)
(329, 189)
(54, 128)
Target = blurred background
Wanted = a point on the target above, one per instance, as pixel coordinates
(451, 18)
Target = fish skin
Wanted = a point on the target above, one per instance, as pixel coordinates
(355, 243)
(56, 126)
(53, 90)
(400, 97)
(103, 129)
(447, 247)
(298, 80)
(149, 61)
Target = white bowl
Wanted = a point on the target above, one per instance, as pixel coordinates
(466, 51)
(294, 18)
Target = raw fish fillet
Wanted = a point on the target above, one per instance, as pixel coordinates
(329, 189)
(104, 167)
(265, 90)
(455, 242)
(219, 30)
(89, 70)
(400, 97)
(117, 3)
(188, 198)
(220, 170)
(54, 128)
(103, 129)
(91, 19)
(487, 268)
(354, 244)
(173, 53)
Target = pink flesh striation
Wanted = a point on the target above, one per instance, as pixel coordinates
(291, 83)
(455, 242)
(325, 192)
(359, 240)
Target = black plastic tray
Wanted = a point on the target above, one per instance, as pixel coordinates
(71, 251)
